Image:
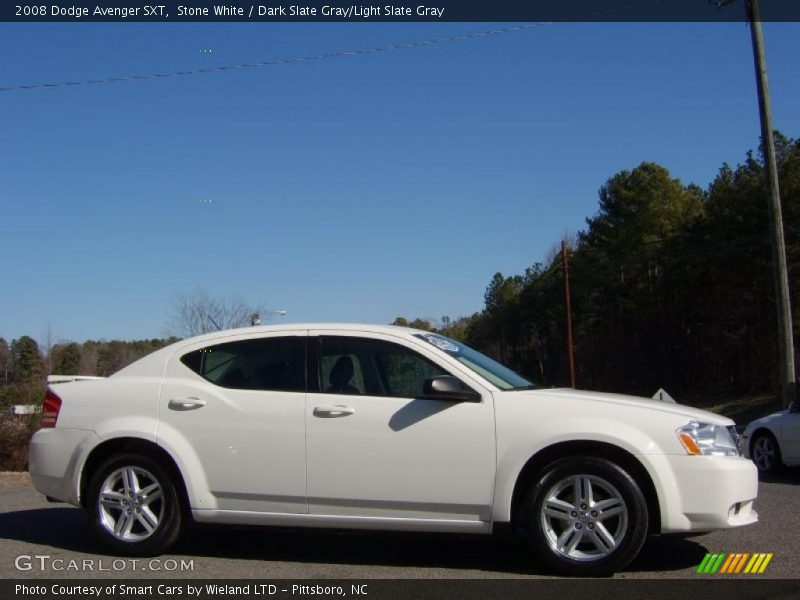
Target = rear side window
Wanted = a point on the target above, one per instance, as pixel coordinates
(276, 364)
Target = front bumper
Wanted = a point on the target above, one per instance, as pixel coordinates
(54, 456)
(703, 493)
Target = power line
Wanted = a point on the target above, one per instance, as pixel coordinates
(683, 240)
(683, 250)
(717, 249)
(554, 271)
(282, 61)
(328, 55)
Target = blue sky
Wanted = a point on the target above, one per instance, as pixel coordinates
(352, 189)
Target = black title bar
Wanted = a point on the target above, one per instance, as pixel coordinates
(403, 589)
(507, 11)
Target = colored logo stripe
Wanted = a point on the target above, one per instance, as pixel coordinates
(711, 563)
(702, 566)
(728, 562)
(737, 562)
(765, 563)
(740, 564)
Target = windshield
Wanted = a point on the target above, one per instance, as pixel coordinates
(489, 369)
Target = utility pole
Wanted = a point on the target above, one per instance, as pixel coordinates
(785, 339)
(568, 305)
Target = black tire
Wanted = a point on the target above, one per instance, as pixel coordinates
(767, 465)
(167, 506)
(628, 528)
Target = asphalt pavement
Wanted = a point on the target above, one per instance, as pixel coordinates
(39, 539)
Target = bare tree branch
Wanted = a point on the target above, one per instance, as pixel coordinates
(721, 3)
(195, 313)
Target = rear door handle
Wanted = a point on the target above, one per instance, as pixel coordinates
(332, 412)
(183, 404)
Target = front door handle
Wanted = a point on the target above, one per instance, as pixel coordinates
(332, 412)
(182, 404)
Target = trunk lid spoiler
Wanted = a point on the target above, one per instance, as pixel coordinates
(52, 379)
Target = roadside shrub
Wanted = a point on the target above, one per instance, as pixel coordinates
(15, 433)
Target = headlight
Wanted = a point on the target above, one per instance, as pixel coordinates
(705, 439)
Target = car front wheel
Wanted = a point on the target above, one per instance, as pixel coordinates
(133, 505)
(587, 516)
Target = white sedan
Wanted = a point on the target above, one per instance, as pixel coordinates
(774, 441)
(378, 427)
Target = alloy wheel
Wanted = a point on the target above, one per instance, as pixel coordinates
(764, 453)
(584, 518)
(131, 504)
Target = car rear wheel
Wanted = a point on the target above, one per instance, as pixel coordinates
(587, 516)
(766, 453)
(133, 505)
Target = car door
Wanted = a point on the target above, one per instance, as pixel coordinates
(790, 434)
(235, 409)
(377, 449)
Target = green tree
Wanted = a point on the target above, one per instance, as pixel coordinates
(5, 361)
(112, 356)
(68, 360)
(455, 328)
(502, 300)
(423, 324)
(642, 206)
(671, 287)
(26, 360)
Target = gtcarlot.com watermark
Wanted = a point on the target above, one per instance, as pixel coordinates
(45, 562)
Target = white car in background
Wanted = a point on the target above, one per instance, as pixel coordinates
(379, 427)
(774, 441)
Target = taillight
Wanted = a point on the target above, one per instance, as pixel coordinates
(50, 408)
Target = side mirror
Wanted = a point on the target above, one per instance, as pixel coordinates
(446, 387)
(794, 406)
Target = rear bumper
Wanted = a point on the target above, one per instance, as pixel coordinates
(54, 456)
(707, 492)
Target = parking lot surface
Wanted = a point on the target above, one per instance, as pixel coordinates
(32, 528)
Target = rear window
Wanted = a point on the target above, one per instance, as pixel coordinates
(276, 364)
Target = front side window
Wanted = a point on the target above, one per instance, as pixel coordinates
(362, 366)
(276, 364)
